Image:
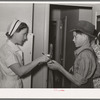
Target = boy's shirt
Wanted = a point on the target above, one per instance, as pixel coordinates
(84, 65)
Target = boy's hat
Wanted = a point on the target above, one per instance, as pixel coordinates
(85, 27)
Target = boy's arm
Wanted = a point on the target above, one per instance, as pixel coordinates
(74, 78)
(81, 75)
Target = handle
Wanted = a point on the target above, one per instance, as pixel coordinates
(51, 51)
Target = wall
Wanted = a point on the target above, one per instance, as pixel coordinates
(21, 11)
(85, 14)
(96, 11)
(10, 11)
(41, 31)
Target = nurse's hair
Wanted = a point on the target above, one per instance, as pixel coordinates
(16, 26)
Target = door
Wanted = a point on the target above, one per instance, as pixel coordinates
(63, 41)
(58, 77)
(63, 34)
(58, 41)
(52, 50)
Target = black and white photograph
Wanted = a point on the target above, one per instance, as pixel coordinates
(50, 46)
(57, 45)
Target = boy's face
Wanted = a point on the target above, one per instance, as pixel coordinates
(78, 39)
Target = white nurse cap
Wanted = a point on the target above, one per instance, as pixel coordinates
(13, 26)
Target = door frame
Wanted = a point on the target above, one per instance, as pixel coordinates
(41, 33)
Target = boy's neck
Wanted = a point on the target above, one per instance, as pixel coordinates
(86, 43)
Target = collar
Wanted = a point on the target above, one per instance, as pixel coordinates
(86, 46)
(13, 46)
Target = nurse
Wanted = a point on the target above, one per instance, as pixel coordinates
(11, 63)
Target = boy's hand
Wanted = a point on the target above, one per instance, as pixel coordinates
(54, 65)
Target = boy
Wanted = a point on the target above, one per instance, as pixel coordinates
(84, 64)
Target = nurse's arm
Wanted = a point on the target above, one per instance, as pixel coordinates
(22, 70)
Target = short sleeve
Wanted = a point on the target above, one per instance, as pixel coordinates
(83, 69)
(10, 59)
(85, 66)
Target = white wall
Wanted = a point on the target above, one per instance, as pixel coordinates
(96, 11)
(85, 14)
(9, 11)
(41, 32)
(23, 12)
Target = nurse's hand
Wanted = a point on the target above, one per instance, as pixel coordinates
(44, 58)
(54, 65)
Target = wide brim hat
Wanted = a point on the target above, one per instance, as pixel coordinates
(85, 27)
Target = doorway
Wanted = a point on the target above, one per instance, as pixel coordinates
(62, 20)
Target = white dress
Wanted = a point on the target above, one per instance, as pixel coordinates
(9, 55)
